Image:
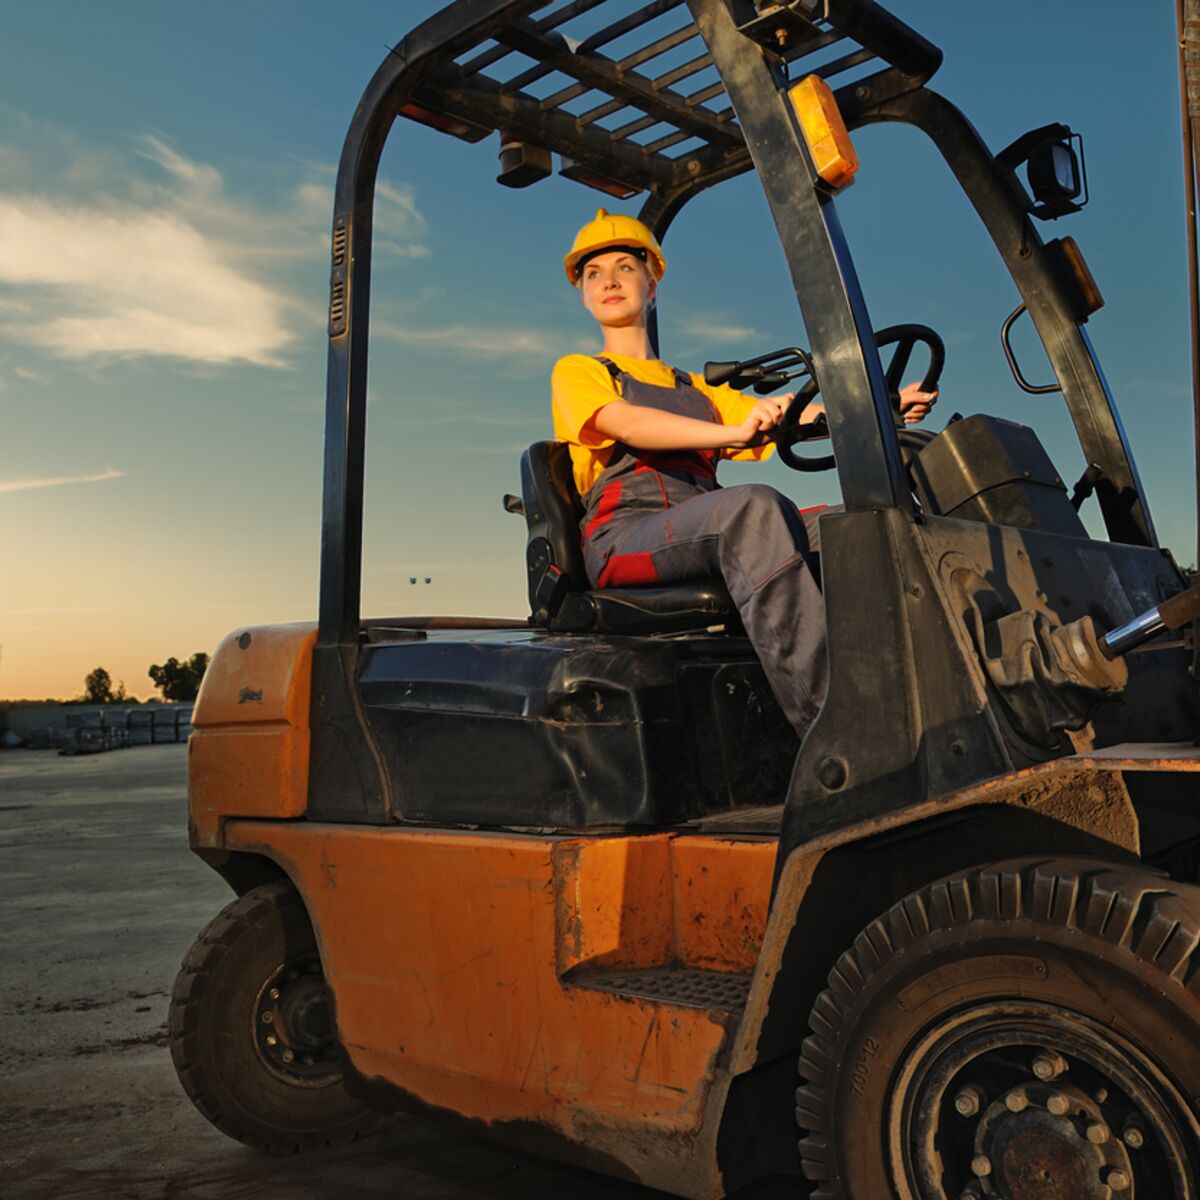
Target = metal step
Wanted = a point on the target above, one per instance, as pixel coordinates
(683, 986)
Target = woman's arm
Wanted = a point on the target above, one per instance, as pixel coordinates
(652, 429)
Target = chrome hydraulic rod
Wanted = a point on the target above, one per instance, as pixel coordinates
(1172, 613)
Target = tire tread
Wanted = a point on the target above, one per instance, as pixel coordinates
(184, 1016)
(1132, 907)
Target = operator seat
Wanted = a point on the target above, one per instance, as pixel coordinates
(560, 597)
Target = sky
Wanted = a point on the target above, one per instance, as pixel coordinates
(166, 178)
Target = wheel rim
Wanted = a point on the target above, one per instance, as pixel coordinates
(293, 1025)
(1029, 1101)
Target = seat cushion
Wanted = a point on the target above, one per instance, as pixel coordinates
(691, 605)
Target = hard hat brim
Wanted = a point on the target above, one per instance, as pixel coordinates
(575, 260)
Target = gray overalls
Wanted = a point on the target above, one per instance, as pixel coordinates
(661, 517)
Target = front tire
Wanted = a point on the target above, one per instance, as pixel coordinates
(1029, 1030)
(251, 1029)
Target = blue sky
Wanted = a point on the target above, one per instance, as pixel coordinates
(165, 191)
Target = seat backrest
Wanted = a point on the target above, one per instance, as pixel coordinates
(553, 509)
(560, 597)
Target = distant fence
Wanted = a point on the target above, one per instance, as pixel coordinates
(77, 729)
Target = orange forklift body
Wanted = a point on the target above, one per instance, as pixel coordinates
(475, 974)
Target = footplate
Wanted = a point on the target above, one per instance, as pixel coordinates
(684, 986)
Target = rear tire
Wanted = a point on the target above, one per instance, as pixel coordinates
(251, 1029)
(1025, 1030)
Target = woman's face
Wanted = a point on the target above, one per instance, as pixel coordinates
(617, 289)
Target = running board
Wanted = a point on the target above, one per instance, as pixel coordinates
(682, 986)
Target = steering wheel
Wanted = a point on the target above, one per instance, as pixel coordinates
(905, 338)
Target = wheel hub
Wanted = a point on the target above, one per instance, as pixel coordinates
(1027, 1101)
(293, 1024)
(1032, 1151)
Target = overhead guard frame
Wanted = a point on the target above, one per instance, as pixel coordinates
(441, 66)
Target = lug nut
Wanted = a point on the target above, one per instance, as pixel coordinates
(1016, 1102)
(268, 1017)
(981, 1165)
(287, 1056)
(1117, 1180)
(271, 1039)
(1097, 1134)
(969, 1101)
(1049, 1066)
(274, 993)
(1058, 1104)
(1133, 1137)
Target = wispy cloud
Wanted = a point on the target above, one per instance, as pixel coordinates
(310, 211)
(486, 341)
(708, 329)
(22, 485)
(121, 283)
(475, 341)
(162, 260)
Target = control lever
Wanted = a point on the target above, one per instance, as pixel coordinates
(766, 373)
(717, 373)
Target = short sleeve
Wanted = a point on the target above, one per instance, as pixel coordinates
(580, 386)
(734, 407)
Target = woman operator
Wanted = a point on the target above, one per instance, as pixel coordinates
(645, 439)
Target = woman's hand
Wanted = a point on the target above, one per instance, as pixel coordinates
(764, 416)
(915, 404)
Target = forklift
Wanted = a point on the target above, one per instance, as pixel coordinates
(572, 881)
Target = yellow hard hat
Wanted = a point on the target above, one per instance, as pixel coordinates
(612, 231)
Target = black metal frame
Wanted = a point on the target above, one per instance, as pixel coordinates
(439, 73)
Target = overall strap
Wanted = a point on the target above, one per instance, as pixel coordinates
(682, 378)
(612, 368)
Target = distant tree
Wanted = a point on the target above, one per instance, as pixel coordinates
(97, 687)
(180, 680)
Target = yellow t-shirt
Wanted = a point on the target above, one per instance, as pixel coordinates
(580, 386)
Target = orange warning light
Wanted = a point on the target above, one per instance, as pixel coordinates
(825, 131)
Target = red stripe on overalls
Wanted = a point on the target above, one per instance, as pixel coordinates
(629, 570)
(609, 499)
